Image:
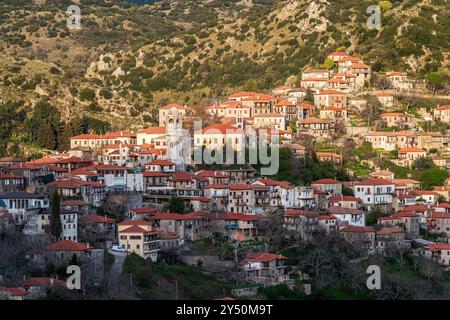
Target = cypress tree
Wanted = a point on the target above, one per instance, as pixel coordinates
(55, 218)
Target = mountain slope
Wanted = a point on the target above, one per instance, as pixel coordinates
(128, 59)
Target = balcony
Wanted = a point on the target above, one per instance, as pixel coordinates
(232, 226)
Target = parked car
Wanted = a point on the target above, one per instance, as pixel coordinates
(117, 248)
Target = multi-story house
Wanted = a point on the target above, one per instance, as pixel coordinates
(330, 98)
(407, 221)
(375, 192)
(439, 222)
(398, 80)
(155, 180)
(427, 197)
(442, 113)
(7, 162)
(329, 223)
(218, 193)
(11, 183)
(161, 166)
(41, 226)
(62, 252)
(316, 73)
(334, 113)
(360, 236)
(300, 223)
(313, 83)
(407, 156)
(303, 197)
(316, 127)
(267, 269)
(395, 119)
(329, 157)
(270, 120)
(281, 193)
(98, 228)
(329, 186)
(336, 56)
(90, 192)
(348, 216)
(139, 237)
(23, 206)
(386, 99)
(440, 252)
(193, 226)
(235, 226)
(241, 199)
(287, 109)
(218, 136)
(149, 135)
(344, 201)
(390, 238)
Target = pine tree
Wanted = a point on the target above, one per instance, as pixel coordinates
(55, 218)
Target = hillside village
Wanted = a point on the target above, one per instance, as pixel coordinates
(124, 193)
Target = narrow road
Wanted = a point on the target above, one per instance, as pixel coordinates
(114, 276)
(116, 268)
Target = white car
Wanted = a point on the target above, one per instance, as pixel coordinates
(117, 248)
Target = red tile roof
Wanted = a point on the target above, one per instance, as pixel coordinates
(171, 106)
(42, 282)
(413, 150)
(439, 215)
(155, 174)
(326, 181)
(297, 212)
(82, 172)
(264, 257)
(145, 210)
(236, 216)
(343, 198)
(357, 229)
(327, 217)
(177, 216)
(92, 218)
(389, 230)
(74, 160)
(373, 182)
(15, 292)
(442, 108)
(340, 210)
(211, 174)
(134, 229)
(73, 203)
(182, 176)
(217, 186)
(240, 187)
(86, 137)
(120, 134)
(221, 129)
(434, 247)
(154, 130)
(135, 223)
(74, 183)
(6, 176)
(161, 163)
(67, 245)
(201, 199)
